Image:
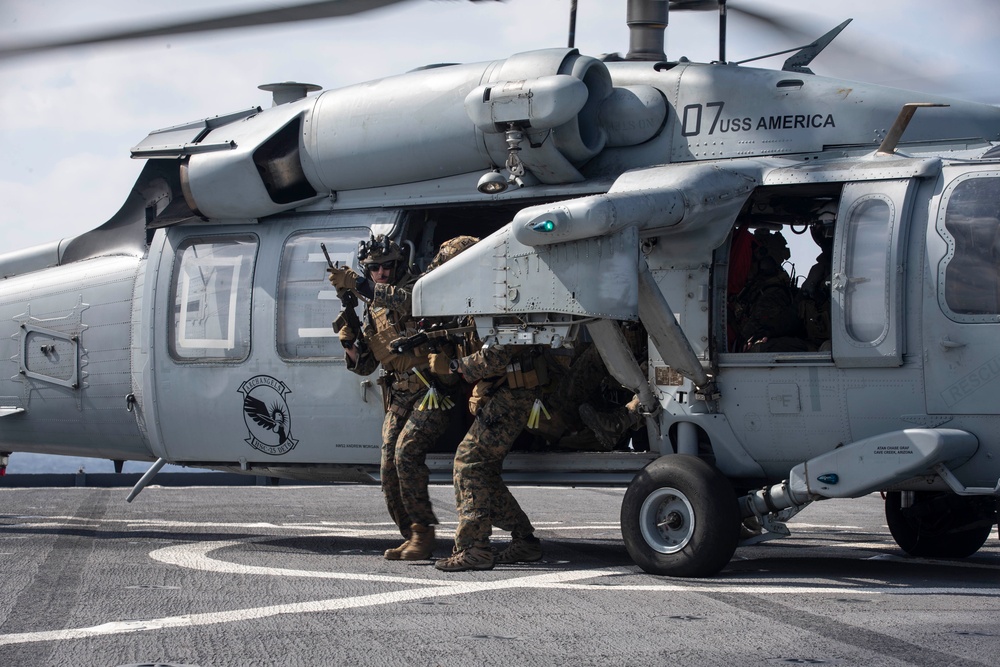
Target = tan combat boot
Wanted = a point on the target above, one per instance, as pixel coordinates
(520, 550)
(473, 558)
(420, 544)
(396, 553)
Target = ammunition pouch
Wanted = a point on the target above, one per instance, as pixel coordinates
(482, 391)
(468, 345)
(399, 384)
(383, 383)
(527, 371)
(408, 382)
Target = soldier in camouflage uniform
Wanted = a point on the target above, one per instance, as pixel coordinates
(766, 311)
(408, 431)
(574, 375)
(508, 380)
(612, 426)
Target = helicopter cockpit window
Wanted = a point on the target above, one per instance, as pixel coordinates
(212, 289)
(866, 293)
(306, 302)
(972, 265)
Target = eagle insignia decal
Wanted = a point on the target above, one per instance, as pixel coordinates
(266, 414)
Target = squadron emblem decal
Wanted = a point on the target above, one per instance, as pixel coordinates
(267, 416)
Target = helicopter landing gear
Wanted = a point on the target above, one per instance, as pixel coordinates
(939, 525)
(680, 518)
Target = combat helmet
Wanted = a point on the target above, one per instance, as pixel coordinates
(822, 228)
(381, 250)
(450, 248)
(770, 252)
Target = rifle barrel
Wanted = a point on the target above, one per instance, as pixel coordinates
(322, 246)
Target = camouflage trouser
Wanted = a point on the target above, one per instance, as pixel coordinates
(481, 496)
(407, 434)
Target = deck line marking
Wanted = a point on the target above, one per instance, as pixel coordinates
(335, 604)
(196, 555)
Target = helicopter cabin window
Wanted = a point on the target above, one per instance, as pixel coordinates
(212, 289)
(971, 266)
(865, 280)
(306, 302)
(778, 273)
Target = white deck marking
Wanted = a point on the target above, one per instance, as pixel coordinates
(196, 556)
(355, 602)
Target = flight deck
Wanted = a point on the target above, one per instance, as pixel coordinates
(293, 575)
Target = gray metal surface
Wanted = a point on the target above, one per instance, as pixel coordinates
(64, 342)
(294, 576)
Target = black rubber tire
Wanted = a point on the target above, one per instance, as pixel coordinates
(940, 525)
(702, 508)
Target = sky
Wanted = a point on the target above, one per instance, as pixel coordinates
(70, 117)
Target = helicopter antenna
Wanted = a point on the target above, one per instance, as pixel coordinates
(722, 31)
(572, 24)
(799, 62)
(804, 54)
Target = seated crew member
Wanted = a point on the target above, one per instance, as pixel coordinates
(765, 312)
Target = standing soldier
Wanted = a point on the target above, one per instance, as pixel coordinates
(411, 423)
(503, 399)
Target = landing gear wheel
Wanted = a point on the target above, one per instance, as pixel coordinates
(940, 525)
(680, 518)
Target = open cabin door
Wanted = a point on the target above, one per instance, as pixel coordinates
(868, 274)
(246, 368)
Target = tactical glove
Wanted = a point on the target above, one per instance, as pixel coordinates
(347, 337)
(343, 278)
(439, 363)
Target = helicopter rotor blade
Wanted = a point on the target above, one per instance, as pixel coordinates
(322, 9)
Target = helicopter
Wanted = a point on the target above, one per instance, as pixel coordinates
(193, 327)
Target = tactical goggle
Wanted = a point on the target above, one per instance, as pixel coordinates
(366, 248)
(384, 266)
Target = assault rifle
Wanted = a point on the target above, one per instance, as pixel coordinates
(348, 301)
(434, 335)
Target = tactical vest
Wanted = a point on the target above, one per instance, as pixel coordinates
(387, 331)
